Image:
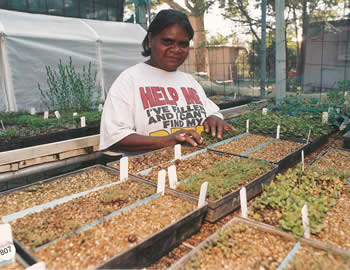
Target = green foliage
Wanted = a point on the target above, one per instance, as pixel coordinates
(225, 177)
(208, 139)
(293, 127)
(287, 195)
(68, 89)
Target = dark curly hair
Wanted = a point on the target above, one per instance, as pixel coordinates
(163, 19)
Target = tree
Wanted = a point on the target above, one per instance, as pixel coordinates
(195, 10)
(219, 39)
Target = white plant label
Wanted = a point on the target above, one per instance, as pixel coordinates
(37, 266)
(345, 94)
(337, 110)
(32, 111)
(124, 164)
(2, 125)
(177, 151)
(7, 249)
(306, 223)
(82, 121)
(264, 111)
(46, 115)
(278, 132)
(202, 195)
(325, 117)
(75, 114)
(243, 198)
(302, 160)
(57, 114)
(100, 107)
(161, 181)
(234, 97)
(308, 137)
(172, 176)
(247, 126)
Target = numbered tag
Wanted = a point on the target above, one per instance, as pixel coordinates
(264, 111)
(202, 194)
(278, 132)
(46, 115)
(325, 117)
(7, 249)
(100, 107)
(32, 111)
(172, 176)
(82, 121)
(124, 164)
(306, 223)
(243, 198)
(161, 181)
(57, 114)
(177, 150)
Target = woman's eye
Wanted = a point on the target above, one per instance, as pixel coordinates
(168, 42)
(184, 44)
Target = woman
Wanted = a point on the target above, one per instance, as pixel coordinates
(153, 105)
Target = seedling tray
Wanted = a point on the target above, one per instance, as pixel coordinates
(156, 245)
(222, 239)
(284, 163)
(146, 161)
(229, 202)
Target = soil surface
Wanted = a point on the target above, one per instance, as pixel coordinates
(311, 258)
(149, 160)
(96, 245)
(243, 144)
(43, 193)
(242, 247)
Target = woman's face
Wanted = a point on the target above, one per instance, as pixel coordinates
(169, 49)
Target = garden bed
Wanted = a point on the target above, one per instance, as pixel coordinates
(244, 244)
(132, 239)
(26, 130)
(52, 189)
(152, 159)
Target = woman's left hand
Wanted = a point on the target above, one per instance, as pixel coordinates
(216, 125)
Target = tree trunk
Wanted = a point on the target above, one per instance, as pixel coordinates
(199, 43)
(301, 58)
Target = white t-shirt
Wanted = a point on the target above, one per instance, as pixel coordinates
(153, 102)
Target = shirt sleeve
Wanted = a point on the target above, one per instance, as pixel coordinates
(117, 120)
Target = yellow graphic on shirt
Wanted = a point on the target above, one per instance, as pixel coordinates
(198, 129)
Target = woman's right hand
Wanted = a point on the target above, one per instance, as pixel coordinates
(187, 135)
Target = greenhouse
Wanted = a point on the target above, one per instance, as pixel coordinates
(174, 134)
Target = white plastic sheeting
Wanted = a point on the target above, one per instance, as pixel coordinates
(29, 42)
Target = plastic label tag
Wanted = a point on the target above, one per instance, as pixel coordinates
(177, 150)
(161, 181)
(32, 111)
(75, 114)
(247, 126)
(302, 160)
(82, 121)
(100, 107)
(306, 224)
(57, 114)
(264, 111)
(202, 195)
(124, 164)
(172, 176)
(46, 115)
(2, 125)
(7, 249)
(325, 117)
(278, 132)
(234, 97)
(37, 266)
(345, 94)
(243, 198)
(308, 137)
